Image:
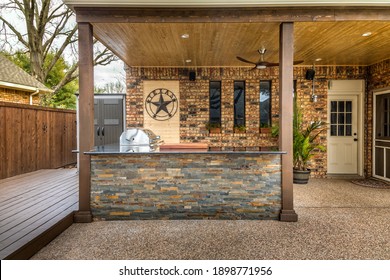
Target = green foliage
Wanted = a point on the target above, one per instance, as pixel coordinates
(240, 128)
(65, 97)
(305, 138)
(212, 125)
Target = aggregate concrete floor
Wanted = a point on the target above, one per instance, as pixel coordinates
(337, 220)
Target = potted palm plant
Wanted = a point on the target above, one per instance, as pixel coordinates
(305, 142)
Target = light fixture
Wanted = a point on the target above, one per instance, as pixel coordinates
(366, 34)
(188, 60)
(314, 98)
(318, 59)
(259, 66)
(185, 36)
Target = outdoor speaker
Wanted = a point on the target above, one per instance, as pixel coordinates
(310, 73)
(192, 76)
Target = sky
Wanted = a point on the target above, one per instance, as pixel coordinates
(109, 73)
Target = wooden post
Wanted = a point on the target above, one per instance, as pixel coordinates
(86, 116)
(286, 88)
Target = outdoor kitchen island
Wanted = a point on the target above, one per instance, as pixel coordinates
(184, 184)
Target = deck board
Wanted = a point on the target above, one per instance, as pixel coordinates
(33, 203)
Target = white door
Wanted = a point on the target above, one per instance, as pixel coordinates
(343, 134)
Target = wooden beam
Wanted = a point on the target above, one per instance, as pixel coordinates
(201, 15)
(286, 88)
(86, 120)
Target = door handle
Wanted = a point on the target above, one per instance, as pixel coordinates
(98, 131)
(103, 131)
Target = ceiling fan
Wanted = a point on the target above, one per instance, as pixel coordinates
(262, 64)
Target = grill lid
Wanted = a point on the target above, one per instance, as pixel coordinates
(139, 137)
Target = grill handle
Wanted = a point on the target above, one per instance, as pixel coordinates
(98, 131)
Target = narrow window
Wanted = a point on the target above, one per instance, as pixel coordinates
(239, 103)
(215, 103)
(265, 103)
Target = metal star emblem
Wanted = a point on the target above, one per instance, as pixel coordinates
(162, 105)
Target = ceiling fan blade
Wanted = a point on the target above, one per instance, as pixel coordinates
(297, 62)
(244, 60)
(271, 64)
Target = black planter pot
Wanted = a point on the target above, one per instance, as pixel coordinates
(301, 177)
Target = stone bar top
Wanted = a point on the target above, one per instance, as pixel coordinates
(116, 149)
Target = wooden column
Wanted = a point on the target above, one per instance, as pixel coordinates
(286, 88)
(86, 116)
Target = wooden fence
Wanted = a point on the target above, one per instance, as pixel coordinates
(33, 138)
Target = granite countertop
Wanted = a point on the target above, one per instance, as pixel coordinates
(116, 149)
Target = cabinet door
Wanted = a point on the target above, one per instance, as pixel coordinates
(112, 120)
(108, 120)
(98, 140)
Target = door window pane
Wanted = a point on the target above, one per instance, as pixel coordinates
(348, 130)
(341, 130)
(333, 118)
(333, 106)
(333, 130)
(341, 106)
(348, 118)
(349, 106)
(341, 118)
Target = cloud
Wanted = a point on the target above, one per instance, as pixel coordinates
(109, 73)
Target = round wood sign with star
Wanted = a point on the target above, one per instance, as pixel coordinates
(161, 104)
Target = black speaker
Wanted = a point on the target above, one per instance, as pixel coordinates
(192, 76)
(310, 73)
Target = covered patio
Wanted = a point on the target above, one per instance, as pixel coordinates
(148, 38)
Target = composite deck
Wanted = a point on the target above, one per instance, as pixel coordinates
(34, 208)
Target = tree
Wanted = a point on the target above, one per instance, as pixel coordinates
(65, 97)
(111, 87)
(47, 32)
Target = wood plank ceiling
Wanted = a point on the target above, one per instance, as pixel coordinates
(218, 44)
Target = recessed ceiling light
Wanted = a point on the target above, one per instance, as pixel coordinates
(185, 36)
(188, 60)
(366, 34)
(318, 59)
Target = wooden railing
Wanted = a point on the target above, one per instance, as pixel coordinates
(33, 138)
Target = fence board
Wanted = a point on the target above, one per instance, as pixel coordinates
(34, 138)
(28, 141)
(2, 143)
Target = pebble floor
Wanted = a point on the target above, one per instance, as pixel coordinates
(337, 220)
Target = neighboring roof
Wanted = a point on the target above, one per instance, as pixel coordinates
(222, 3)
(12, 76)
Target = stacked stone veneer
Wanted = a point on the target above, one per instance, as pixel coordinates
(194, 106)
(186, 186)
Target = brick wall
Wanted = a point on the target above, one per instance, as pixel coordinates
(17, 96)
(194, 103)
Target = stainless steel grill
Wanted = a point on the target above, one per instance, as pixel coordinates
(139, 140)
